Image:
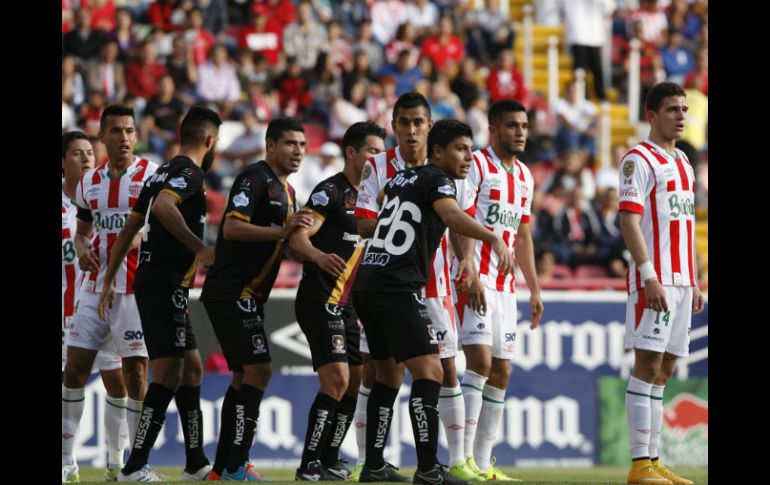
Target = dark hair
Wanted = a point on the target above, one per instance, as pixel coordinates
(408, 100)
(197, 124)
(115, 110)
(661, 91)
(502, 106)
(445, 132)
(278, 126)
(355, 136)
(68, 138)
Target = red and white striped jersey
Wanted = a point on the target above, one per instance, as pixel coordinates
(69, 260)
(109, 201)
(500, 201)
(378, 171)
(661, 188)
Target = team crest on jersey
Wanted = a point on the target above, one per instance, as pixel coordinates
(241, 200)
(181, 336)
(258, 341)
(333, 310)
(448, 189)
(367, 172)
(273, 190)
(320, 199)
(338, 344)
(135, 189)
(628, 168)
(247, 305)
(178, 183)
(350, 199)
(178, 299)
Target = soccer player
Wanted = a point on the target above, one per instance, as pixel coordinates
(498, 194)
(77, 160)
(104, 197)
(170, 212)
(332, 251)
(419, 203)
(657, 219)
(261, 214)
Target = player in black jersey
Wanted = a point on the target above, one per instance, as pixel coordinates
(261, 214)
(332, 251)
(419, 203)
(170, 212)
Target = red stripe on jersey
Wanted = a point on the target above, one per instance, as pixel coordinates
(671, 186)
(446, 302)
(500, 283)
(430, 285)
(446, 265)
(655, 153)
(111, 238)
(94, 274)
(486, 251)
(462, 300)
(490, 165)
(641, 302)
(682, 174)
(349, 283)
(638, 277)
(94, 203)
(390, 170)
(96, 178)
(655, 230)
(114, 194)
(471, 211)
(478, 167)
(63, 209)
(689, 252)
(373, 164)
(131, 260)
(632, 207)
(511, 188)
(69, 293)
(494, 194)
(365, 213)
(521, 170)
(628, 285)
(674, 236)
(525, 219)
(140, 174)
(65, 233)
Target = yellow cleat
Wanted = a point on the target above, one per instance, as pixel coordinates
(355, 472)
(473, 467)
(664, 471)
(644, 472)
(495, 473)
(462, 471)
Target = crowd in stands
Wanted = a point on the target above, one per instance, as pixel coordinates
(331, 63)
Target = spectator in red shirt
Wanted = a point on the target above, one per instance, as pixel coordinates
(444, 46)
(201, 39)
(699, 78)
(282, 11)
(143, 74)
(293, 90)
(159, 14)
(505, 81)
(263, 35)
(102, 14)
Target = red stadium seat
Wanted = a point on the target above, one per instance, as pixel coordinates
(562, 271)
(591, 271)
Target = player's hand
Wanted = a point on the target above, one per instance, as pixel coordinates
(331, 263)
(477, 297)
(656, 296)
(206, 257)
(465, 273)
(105, 300)
(536, 305)
(88, 261)
(698, 303)
(505, 259)
(301, 218)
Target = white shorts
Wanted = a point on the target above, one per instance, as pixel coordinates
(105, 359)
(496, 328)
(123, 326)
(363, 345)
(442, 316)
(658, 331)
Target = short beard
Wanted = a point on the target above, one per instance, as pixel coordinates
(208, 160)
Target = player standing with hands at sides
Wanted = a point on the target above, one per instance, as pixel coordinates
(657, 219)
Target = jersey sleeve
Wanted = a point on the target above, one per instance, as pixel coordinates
(366, 205)
(184, 183)
(84, 210)
(243, 197)
(441, 189)
(468, 188)
(635, 183)
(324, 199)
(529, 188)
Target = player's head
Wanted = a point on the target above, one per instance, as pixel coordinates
(411, 121)
(667, 110)
(450, 147)
(200, 128)
(117, 130)
(362, 140)
(508, 127)
(77, 154)
(285, 145)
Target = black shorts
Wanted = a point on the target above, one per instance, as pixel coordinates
(331, 331)
(240, 328)
(397, 324)
(165, 320)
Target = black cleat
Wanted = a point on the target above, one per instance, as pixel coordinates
(385, 474)
(340, 469)
(315, 472)
(437, 475)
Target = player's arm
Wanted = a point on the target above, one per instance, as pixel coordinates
(300, 244)
(525, 256)
(120, 248)
(166, 210)
(366, 205)
(238, 228)
(630, 227)
(88, 260)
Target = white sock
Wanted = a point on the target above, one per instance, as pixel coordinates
(472, 386)
(117, 431)
(656, 418)
(489, 423)
(72, 403)
(451, 410)
(359, 421)
(638, 417)
(133, 413)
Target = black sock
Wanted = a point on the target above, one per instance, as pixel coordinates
(150, 423)
(345, 409)
(319, 426)
(188, 403)
(226, 430)
(423, 411)
(246, 414)
(379, 414)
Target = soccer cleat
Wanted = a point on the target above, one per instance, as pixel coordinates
(464, 472)
(214, 477)
(315, 472)
(244, 473)
(200, 475)
(496, 474)
(340, 469)
(644, 472)
(70, 473)
(471, 462)
(144, 474)
(438, 474)
(387, 473)
(665, 472)
(355, 472)
(111, 472)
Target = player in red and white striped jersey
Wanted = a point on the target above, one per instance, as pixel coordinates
(498, 193)
(104, 197)
(77, 159)
(657, 219)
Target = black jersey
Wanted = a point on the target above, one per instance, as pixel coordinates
(247, 269)
(334, 200)
(163, 259)
(408, 231)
